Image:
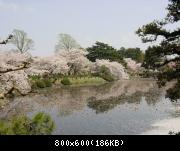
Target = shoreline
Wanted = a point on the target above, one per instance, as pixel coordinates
(163, 127)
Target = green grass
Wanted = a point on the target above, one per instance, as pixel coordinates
(48, 82)
(105, 73)
(38, 82)
(66, 81)
(86, 81)
(81, 81)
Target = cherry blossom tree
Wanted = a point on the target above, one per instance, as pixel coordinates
(131, 64)
(48, 65)
(116, 69)
(16, 67)
(77, 61)
(12, 75)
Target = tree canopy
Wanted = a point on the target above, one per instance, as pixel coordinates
(66, 42)
(133, 53)
(21, 41)
(164, 56)
(103, 51)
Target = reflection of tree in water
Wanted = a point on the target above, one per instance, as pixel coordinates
(152, 97)
(104, 105)
(40, 124)
(103, 89)
(67, 100)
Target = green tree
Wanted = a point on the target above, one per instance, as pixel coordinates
(167, 51)
(21, 41)
(40, 124)
(133, 53)
(151, 57)
(103, 51)
(66, 42)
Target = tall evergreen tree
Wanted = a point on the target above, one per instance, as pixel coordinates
(103, 51)
(164, 56)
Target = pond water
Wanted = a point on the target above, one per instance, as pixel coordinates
(123, 108)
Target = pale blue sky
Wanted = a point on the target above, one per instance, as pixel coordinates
(109, 21)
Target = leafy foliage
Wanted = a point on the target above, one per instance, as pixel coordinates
(65, 81)
(39, 82)
(133, 53)
(103, 51)
(167, 52)
(40, 124)
(86, 80)
(105, 73)
(151, 57)
(174, 93)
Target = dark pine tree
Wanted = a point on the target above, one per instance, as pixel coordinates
(164, 56)
(103, 51)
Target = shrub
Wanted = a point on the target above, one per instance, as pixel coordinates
(107, 78)
(105, 73)
(40, 124)
(34, 77)
(65, 81)
(47, 82)
(40, 84)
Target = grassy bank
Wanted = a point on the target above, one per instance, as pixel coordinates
(38, 82)
(78, 81)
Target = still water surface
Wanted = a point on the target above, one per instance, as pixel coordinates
(124, 107)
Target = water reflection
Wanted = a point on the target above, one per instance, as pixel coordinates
(104, 105)
(102, 98)
(123, 107)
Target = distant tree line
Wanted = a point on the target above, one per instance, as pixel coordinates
(104, 51)
(66, 42)
(134, 53)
